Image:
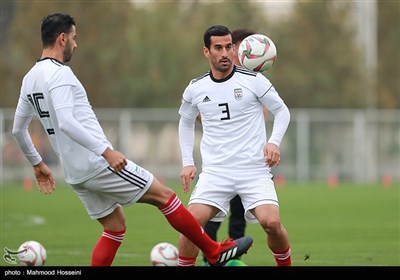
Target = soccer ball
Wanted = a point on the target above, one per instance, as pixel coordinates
(257, 52)
(164, 254)
(235, 262)
(32, 253)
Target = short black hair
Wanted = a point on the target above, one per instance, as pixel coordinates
(53, 25)
(215, 30)
(239, 34)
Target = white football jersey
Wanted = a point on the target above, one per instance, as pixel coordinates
(49, 88)
(234, 132)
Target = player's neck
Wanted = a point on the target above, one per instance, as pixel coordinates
(219, 75)
(51, 53)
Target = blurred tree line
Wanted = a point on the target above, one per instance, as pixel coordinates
(143, 54)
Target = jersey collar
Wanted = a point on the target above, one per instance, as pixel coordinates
(224, 79)
(51, 58)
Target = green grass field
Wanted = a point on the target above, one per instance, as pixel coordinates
(344, 226)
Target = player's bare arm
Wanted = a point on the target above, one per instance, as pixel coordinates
(188, 174)
(44, 178)
(115, 159)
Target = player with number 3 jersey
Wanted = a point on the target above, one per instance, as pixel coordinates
(236, 155)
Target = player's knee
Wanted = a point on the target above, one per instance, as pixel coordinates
(115, 221)
(271, 226)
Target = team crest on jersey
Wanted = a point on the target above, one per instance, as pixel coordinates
(238, 93)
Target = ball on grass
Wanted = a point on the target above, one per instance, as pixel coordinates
(235, 263)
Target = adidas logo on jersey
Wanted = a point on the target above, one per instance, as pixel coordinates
(206, 99)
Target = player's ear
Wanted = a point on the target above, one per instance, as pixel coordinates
(206, 52)
(62, 38)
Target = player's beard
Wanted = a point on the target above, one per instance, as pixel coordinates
(67, 53)
(223, 68)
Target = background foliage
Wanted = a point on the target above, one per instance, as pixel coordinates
(144, 54)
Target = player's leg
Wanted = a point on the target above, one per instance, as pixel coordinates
(178, 216)
(228, 249)
(188, 251)
(261, 206)
(211, 229)
(189, 224)
(237, 223)
(113, 234)
(103, 195)
(277, 236)
(211, 200)
(97, 196)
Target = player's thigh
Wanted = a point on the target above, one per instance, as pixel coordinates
(96, 205)
(266, 214)
(214, 189)
(106, 191)
(256, 192)
(202, 212)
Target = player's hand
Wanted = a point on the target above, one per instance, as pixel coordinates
(115, 159)
(272, 155)
(44, 178)
(188, 174)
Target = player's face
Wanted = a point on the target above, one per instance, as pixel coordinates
(70, 45)
(220, 54)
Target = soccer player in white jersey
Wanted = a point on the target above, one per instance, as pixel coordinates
(237, 222)
(103, 178)
(236, 155)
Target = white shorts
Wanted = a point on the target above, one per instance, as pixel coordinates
(218, 187)
(108, 190)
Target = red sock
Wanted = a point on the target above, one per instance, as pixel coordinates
(186, 261)
(106, 247)
(184, 222)
(283, 258)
